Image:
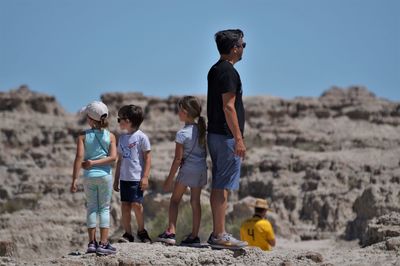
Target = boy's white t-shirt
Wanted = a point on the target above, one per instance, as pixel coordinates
(131, 147)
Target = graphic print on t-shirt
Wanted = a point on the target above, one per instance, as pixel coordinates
(127, 151)
(131, 148)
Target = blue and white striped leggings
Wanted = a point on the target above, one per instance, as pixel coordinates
(98, 191)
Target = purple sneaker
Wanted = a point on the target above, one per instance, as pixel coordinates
(167, 238)
(106, 249)
(92, 247)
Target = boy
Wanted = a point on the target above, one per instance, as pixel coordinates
(133, 169)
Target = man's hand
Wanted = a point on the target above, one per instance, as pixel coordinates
(240, 148)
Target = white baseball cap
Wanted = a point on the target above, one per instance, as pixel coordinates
(95, 110)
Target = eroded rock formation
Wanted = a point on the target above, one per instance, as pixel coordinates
(328, 165)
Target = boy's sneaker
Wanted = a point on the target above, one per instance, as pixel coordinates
(226, 240)
(92, 247)
(106, 249)
(144, 236)
(167, 238)
(189, 241)
(126, 238)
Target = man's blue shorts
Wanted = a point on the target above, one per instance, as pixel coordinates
(131, 191)
(225, 164)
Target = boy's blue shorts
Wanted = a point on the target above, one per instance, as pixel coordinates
(131, 191)
(225, 164)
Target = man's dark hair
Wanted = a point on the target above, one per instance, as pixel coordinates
(133, 113)
(259, 210)
(227, 39)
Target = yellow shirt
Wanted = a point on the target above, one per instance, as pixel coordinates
(256, 231)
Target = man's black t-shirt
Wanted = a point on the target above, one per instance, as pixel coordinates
(223, 78)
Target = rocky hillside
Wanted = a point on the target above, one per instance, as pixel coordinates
(329, 166)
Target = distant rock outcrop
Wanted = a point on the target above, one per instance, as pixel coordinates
(383, 228)
(24, 100)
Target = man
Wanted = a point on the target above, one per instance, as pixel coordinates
(225, 114)
(258, 231)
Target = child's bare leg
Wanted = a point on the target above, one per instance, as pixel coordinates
(92, 234)
(176, 197)
(138, 209)
(104, 235)
(196, 210)
(126, 217)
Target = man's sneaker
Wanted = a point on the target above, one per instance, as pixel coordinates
(106, 249)
(92, 247)
(167, 238)
(126, 238)
(144, 236)
(189, 241)
(226, 240)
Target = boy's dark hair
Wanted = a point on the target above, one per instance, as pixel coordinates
(133, 113)
(227, 39)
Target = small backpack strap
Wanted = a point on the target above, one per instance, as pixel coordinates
(98, 140)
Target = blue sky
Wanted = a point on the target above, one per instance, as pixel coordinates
(78, 49)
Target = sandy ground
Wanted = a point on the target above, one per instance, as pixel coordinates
(318, 252)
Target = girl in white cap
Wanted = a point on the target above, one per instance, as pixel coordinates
(95, 153)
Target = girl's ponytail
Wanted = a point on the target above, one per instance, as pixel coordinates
(103, 122)
(202, 131)
(192, 105)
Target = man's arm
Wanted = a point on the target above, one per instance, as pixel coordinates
(228, 100)
(270, 235)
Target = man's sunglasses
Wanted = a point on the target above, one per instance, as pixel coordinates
(243, 45)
